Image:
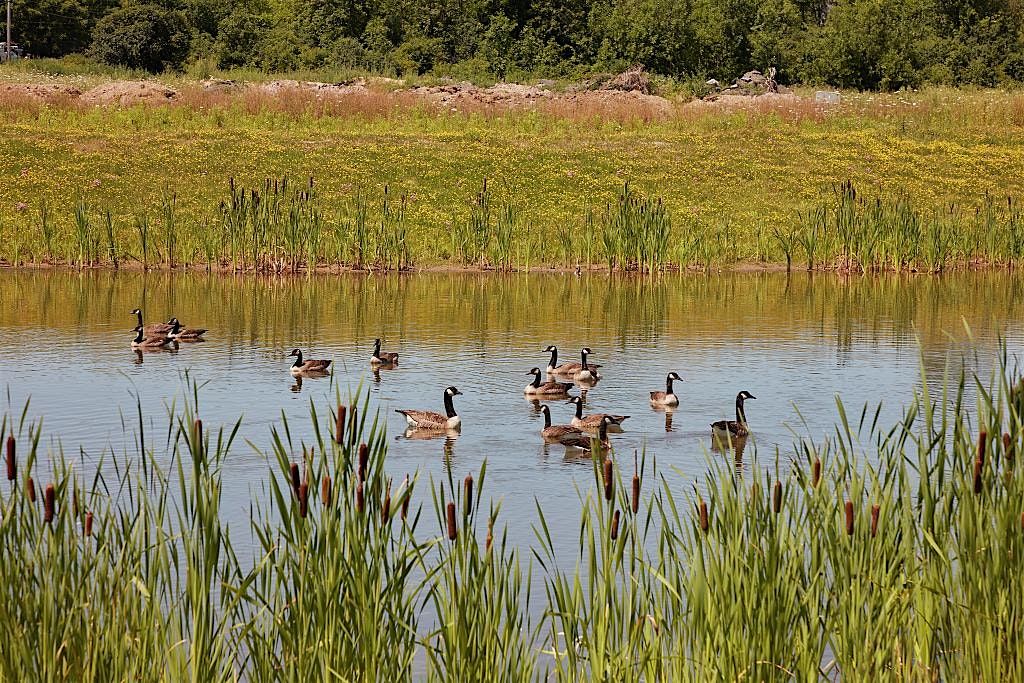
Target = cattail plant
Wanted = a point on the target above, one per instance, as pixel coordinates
(385, 508)
(407, 500)
(467, 496)
(49, 503)
(339, 425)
(874, 520)
(702, 515)
(609, 481)
(325, 491)
(615, 525)
(849, 517)
(364, 458)
(303, 499)
(360, 500)
(452, 528)
(30, 488)
(816, 473)
(293, 470)
(12, 462)
(636, 493)
(1008, 449)
(777, 497)
(88, 524)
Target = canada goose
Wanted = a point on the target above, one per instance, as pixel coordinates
(425, 419)
(549, 388)
(592, 422)
(149, 341)
(731, 429)
(554, 433)
(586, 373)
(309, 367)
(382, 358)
(667, 397)
(566, 368)
(152, 328)
(585, 442)
(185, 333)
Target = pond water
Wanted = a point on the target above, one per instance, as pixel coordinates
(790, 341)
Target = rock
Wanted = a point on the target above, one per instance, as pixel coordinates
(827, 97)
(218, 84)
(713, 82)
(755, 77)
(128, 93)
(41, 92)
(635, 79)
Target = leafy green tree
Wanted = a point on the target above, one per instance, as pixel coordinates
(51, 28)
(238, 37)
(498, 45)
(144, 36)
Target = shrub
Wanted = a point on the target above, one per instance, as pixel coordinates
(145, 36)
(418, 55)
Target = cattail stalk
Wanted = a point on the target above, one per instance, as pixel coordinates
(364, 460)
(293, 470)
(88, 524)
(385, 510)
(874, 520)
(303, 499)
(702, 515)
(467, 495)
(325, 491)
(978, 465)
(816, 473)
(352, 411)
(609, 483)
(636, 493)
(407, 500)
(1008, 450)
(777, 497)
(49, 503)
(360, 501)
(197, 431)
(339, 425)
(615, 525)
(982, 443)
(849, 518)
(12, 462)
(452, 529)
(30, 488)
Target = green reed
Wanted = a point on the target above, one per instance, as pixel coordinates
(874, 552)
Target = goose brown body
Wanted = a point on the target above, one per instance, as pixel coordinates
(431, 421)
(549, 388)
(149, 341)
(382, 357)
(585, 442)
(667, 397)
(593, 422)
(725, 429)
(565, 369)
(556, 433)
(185, 333)
(309, 367)
(152, 328)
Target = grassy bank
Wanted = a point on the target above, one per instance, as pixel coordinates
(881, 551)
(397, 182)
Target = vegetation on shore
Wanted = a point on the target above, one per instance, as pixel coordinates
(396, 183)
(875, 552)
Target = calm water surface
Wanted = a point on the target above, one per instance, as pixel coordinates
(64, 342)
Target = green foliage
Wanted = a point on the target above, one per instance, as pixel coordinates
(145, 36)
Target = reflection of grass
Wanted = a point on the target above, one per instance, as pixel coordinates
(897, 559)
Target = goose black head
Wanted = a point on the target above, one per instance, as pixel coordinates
(675, 376)
(575, 399)
(744, 395)
(550, 349)
(586, 349)
(535, 371)
(452, 391)
(135, 311)
(295, 352)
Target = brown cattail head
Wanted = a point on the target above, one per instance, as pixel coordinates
(982, 443)
(978, 479)
(452, 529)
(816, 473)
(615, 525)
(702, 515)
(30, 488)
(407, 500)
(849, 518)
(304, 499)
(197, 430)
(325, 491)
(1008, 449)
(88, 524)
(609, 483)
(360, 501)
(777, 497)
(352, 419)
(293, 471)
(339, 425)
(636, 493)
(467, 495)
(385, 510)
(874, 520)
(364, 460)
(12, 462)
(49, 503)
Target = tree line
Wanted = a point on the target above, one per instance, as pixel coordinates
(864, 44)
